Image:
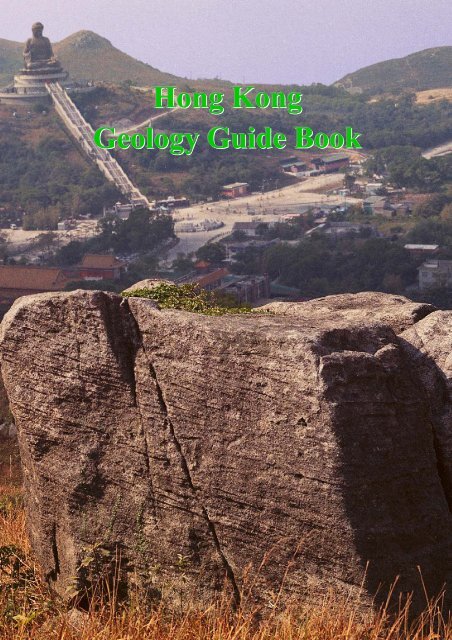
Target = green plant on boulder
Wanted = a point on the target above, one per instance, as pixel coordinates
(190, 297)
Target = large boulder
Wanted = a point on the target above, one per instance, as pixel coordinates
(301, 450)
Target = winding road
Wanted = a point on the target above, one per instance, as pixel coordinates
(441, 150)
(146, 123)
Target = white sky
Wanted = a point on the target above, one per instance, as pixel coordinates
(245, 40)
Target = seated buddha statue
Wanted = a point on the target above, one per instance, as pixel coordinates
(38, 52)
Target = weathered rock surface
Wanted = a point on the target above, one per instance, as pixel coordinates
(310, 448)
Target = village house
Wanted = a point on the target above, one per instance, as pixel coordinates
(120, 210)
(417, 250)
(294, 167)
(245, 289)
(248, 228)
(434, 274)
(234, 249)
(235, 190)
(372, 188)
(18, 280)
(205, 277)
(344, 227)
(332, 162)
(96, 267)
(402, 209)
(378, 206)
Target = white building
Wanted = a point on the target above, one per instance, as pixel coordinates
(434, 274)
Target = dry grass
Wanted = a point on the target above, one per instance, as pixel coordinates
(433, 95)
(28, 611)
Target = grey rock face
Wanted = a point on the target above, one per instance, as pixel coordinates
(308, 448)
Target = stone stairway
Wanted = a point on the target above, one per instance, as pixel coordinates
(84, 133)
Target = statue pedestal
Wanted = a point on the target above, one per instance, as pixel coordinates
(30, 86)
(34, 84)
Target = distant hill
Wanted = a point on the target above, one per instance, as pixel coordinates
(88, 56)
(428, 69)
(10, 59)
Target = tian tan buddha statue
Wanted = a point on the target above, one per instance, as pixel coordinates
(38, 52)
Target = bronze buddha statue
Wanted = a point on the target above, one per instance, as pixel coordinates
(38, 52)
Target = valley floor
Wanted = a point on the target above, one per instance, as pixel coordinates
(268, 206)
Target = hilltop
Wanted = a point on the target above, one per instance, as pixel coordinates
(428, 69)
(86, 55)
(90, 56)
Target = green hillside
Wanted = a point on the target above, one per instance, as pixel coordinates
(88, 56)
(428, 69)
(10, 59)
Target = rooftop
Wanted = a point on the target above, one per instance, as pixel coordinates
(421, 247)
(32, 278)
(437, 265)
(210, 278)
(374, 199)
(235, 185)
(335, 157)
(242, 226)
(98, 261)
(293, 164)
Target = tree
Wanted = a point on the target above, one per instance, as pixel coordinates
(431, 207)
(349, 181)
(446, 213)
(140, 233)
(239, 236)
(213, 252)
(3, 246)
(182, 264)
(46, 219)
(71, 253)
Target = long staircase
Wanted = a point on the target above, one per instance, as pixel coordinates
(84, 134)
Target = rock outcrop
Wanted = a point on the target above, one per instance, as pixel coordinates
(303, 450)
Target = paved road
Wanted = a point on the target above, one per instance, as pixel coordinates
(441, 150)
(146, 123)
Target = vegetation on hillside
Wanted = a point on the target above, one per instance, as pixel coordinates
(50, 174)
(323, 265)
(404, 166)
(10, 59)
(35, 177)
(141, 233)
(383, 124)
(426, 69)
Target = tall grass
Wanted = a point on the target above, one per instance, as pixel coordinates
(28, 611)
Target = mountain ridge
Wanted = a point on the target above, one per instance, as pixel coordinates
(426, 69)
(76, 55)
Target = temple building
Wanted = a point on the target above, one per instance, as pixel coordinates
(41, 67)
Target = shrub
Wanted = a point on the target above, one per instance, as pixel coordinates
(189, 297)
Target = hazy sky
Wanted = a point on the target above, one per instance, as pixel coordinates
(245, 40)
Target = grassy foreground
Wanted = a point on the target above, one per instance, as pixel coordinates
(29, 611)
